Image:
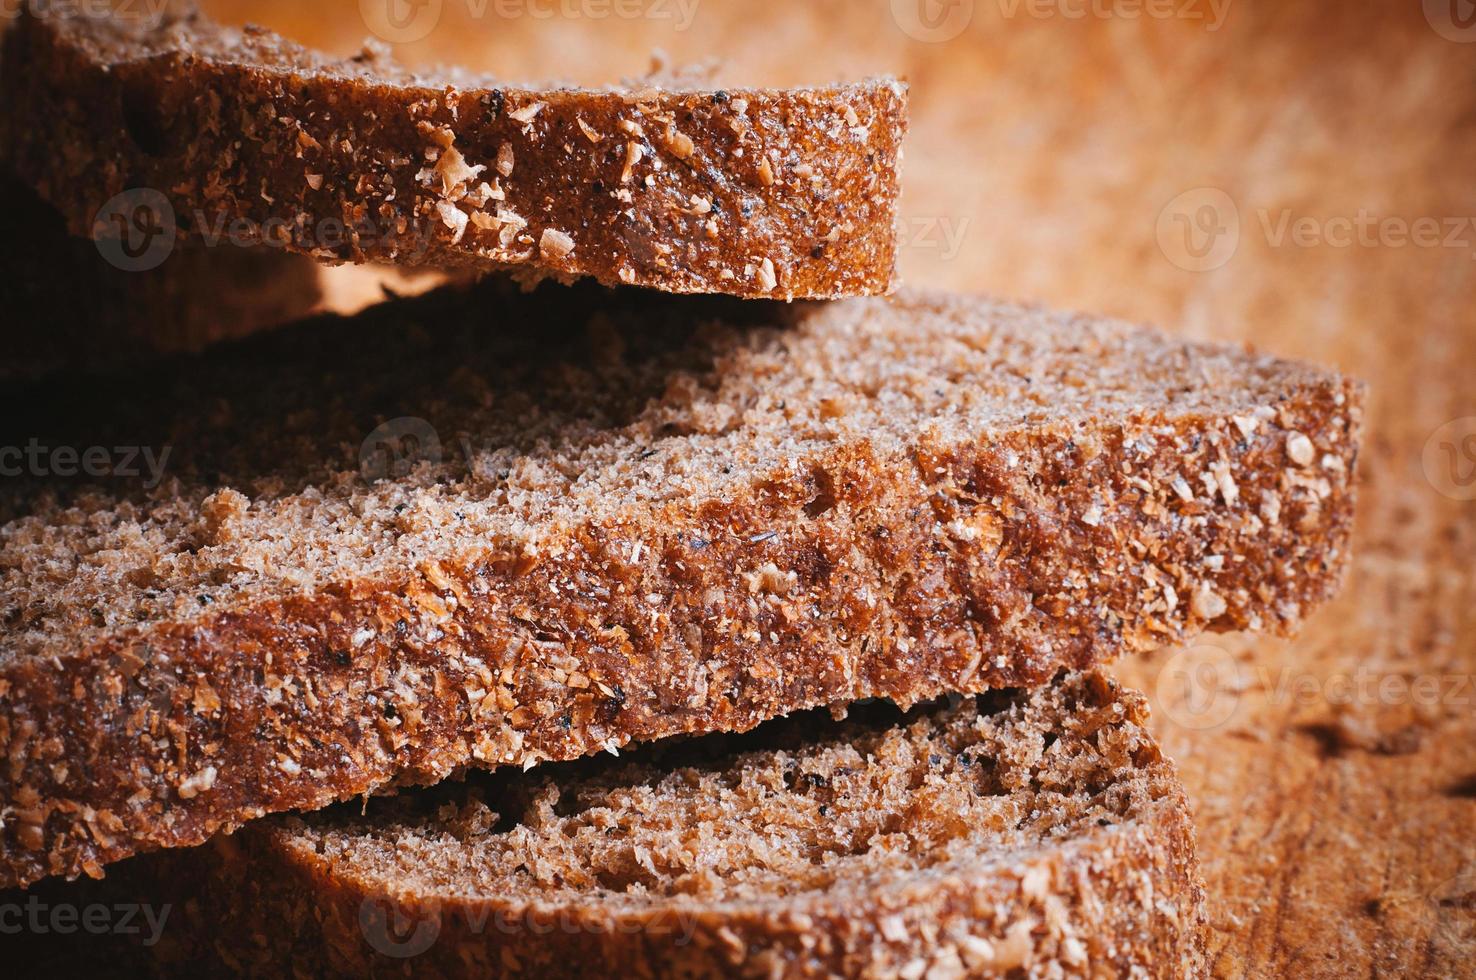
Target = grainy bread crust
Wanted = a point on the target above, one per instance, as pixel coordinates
(1132, 895)
(750, 192)
(1091, 872)
(952, 561)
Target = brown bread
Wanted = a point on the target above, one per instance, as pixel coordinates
(751, 192)
(1017, 834)
(633, 516)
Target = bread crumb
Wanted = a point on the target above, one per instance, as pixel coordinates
(220, 516)
(527, 113)
(200, 782)
(1036, 883)
(505, 159)
(454, 218)
(1225, 483)
(590, 133)
(680, 144)
(1015, 951)
(554, 244)
(1300, 449)
(769, 579)
(1207, 604)
(1246, 425)
(768, 281)
(633, 154)
(454, 172)
(765, 172)
(977, 953)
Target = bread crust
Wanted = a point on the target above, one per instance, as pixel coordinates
(954, 562)
(1132, 897)
(750, 192)
(1109, 890)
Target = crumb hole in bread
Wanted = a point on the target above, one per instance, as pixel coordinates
(824, 498)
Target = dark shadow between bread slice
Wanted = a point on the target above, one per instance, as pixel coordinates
(70, 307)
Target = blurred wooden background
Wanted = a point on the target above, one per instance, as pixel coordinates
(1298, 176)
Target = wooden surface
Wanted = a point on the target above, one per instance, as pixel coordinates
(1334, 776)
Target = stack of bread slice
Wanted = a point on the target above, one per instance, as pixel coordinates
(448, 557)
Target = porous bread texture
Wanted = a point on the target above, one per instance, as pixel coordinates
(743, 191)
(648, 515)
(67, 308)
(1035, 834)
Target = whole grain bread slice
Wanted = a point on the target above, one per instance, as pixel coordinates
(68, 306)
(673, 185)
(1015, 834)
(382, 549)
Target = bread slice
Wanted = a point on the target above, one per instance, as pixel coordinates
(677, 186)
(67, 308)
(627, 516)
(1020, 834)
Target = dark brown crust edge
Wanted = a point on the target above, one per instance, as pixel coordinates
(1125, 901)
(297, 704)
(291, 156)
